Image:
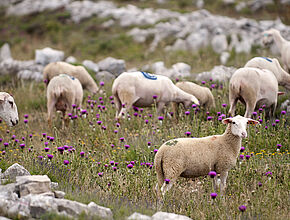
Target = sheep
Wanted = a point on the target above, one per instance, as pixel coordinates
(62, 92)
(57, 68)
(8, 109)
(203, 94)
(195, 157)
(253, 87)
(283, 45)
(142, 90)
(273, 65)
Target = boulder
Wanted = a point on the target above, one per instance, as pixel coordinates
(91, 65)
(138, 216)
(219, 43)
(100, 211)
(224, 57)
(30, 75)
(112, 65)
(15, 170)
(218, 73)
(181, 70)
(48, 55)
(5, 52)
(19, 209)
(197, 40)
(169, 216)
(71, 59)
(59, 194)
(105, 76)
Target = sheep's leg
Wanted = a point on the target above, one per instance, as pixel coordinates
(215, 183)
(126, 106)
(175, 107)
(160, 107)
(166, 187)
(50, 112)
(118, 105)
(224, 176)
(250, 108)
(233, 103)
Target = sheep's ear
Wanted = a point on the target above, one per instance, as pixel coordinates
(252, 121)
(281, 93)
(227, 120)
(2, 97)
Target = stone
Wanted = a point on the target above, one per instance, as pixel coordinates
(99, 211)
(30, 75)
(108, 23)
(169, 216)
(59, 194)
(256, 5)
(229, 2)
(72, 208)
(218, 73)
(240, 6)
(224, 57)
(112, 65)
(47, 55)
(19, 209)
(181, 70)
(91, 65)
(35, 184)
(71, 59)
(8, 191)
(199, 4)
(219, 43)
(5, 52)
(15, 170)
(138, 216)
(105, 76)
(197, 40)
(53, 185)
(4, 218)
(179, 44)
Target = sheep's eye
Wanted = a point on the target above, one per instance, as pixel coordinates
(233, 122)
(11, 103)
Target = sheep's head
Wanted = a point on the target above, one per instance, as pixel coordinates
(268, 37)
(188, 103)
(239, 125)
(8, 109)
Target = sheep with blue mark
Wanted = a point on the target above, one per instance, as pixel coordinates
(143, 90)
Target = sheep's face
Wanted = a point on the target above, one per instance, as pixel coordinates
(267, 38)
(239, 125)
(8, 109)
(188, 103)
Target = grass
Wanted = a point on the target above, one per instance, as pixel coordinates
(92, 178)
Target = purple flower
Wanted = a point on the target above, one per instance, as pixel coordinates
(149, 143)
(99, 122)
(193, 105)
(100, 174)
(187, 133)
(220, 118)
(154, 96)
(122, 139)
(146, 121)
(242, 149)
(82, 154)
(213, 195)
(176, 79)
(102, 83)
(40, 157)
(260, 120)
(268, 173)
(203, 82)
(260, 110)
(242, 208)
(212, 174)
(273, 124)
(43, 134)
(114, 168)
(51, 139)
(209, 118)
(25, 116)
(49, 156)
(260, 184)
(22, 146)
(130, 166)
(5, 144)
(212, 86)
(248, 157)
(241, 156)
(74, 105)
(277, 121)
(25, 121)
(112, 162)
(3, 152)
(283, 112)
(224, 105)
(160, 118)
(254, 113)
(155, 151)
(187, 113)
(167, 181)
(65, 162)
(127, 146)
(279, 146)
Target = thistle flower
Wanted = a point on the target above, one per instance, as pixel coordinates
(22, 146)
(268, 173)
(209, 118)
(155, 151)
(260, 184)
(213, 195)
(241, 156)
(65, 162)
(187, 133)
(203, 82)
(224, 105)
(160, 118)
(40, 157)
(82, 154)
(154, 96)
(248, 157)
(102, 83)
(193, 105)
(283, 112)
(26, 116)
(130, 166)
(49, 156)
(242, 208)
(187, 112)
(100, 174)
(167, 181)
(242, 149)
(25, 121)
(212, 174)
(127, 146)
(277, 121)
(122, 139)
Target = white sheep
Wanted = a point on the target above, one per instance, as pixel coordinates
(79, 72)
(8, 109)
(62, 92)
(253, 87)
(194, 157)
(273, 65)
(142, 90)
(203, 94)
(283, 45)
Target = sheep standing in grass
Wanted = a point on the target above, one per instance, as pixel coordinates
(273, 65)
(194, 157)
(203, 94)
(253, 87)
(8, 109)
(62, 92)
(283, 45)
(142, 90)
(79, 72)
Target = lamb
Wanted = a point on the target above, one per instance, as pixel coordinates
(142, 90)
(8, 109)
(273, 65)
(194, 157)
(282, 44)
(253, 87)
(79, 72)
(203, 94)
(62, 92)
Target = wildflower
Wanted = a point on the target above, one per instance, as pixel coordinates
(203, 82)
(99, 122)
(43, 134)
(82, 154)
(154, 96)
(273, 124)
(106, 165)
(260, 184)
(25, 116)
(220, 118)
(65, 162)
(22, 146)
(241, 156)
(112, 145)
(25, 121)
(260, 120)
(187, 133)
(167, 181)
(218, 113)
(176, 79)
(224, 105)
(127, 146)
(51, 139)
(146, 121)
(130, 166)
(115, 131)
(114, 168)
(248, 157)
(100, 174)
(102, 83)
(212, 174)
(260, 110)
(242, 208)
(187, 113)
(266, 127)
(45, 143)
(112, 162)
(279, 146)
(74, 105)
(122, 139)
(277, 121)
(213, 195)
(49, 156)
(212, 86)
(155, 151)
(5, 144)
(283, 112)
(40, 157)
(209, 118)
(3, 152)
(160, 118)
(242, 149)
(268, 173)
(193, 105)
(149, 143)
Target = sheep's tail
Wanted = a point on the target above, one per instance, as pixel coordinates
(159, 167)
(58, 91)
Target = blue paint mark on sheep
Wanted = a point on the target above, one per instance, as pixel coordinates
(149, 76)
(268, 59)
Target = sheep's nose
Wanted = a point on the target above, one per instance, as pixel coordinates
(13, 123)
(244, 134)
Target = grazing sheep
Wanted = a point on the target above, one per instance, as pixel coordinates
(203, 94)
(62, 92)
(194, 157)
(283, 45)
(273, 65)
(57, 68)
(8, 109)
(138, 89)
(253, 87)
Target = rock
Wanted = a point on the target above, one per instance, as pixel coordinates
(108, 23)
(30, 75)
(15, 170)
(59, 194)
(91, 65)
(35, 184)
(99, 211)
(27, 7)
(286, 106)
(241, 46)
(240, 6)
(285, 2)
(218, 73)
(8, 192)
(19, 209)
(71, 59)
(4, 218)
(168, 216)
(179, 44)
(48, 55)
(5, 52)
(138, 216)
(229, 2)
(105, 76)
(199, 4)
(72, 208)
(219, 43)
(224, 57)
(256, 5)
(197, 40)
(112, 65)
(181, 70)
(6, 3)
(53, 185)
(139, 35)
